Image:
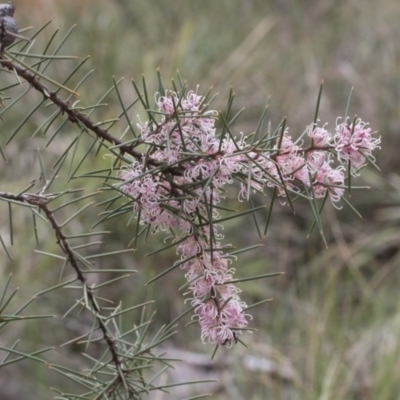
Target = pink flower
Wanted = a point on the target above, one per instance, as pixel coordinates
(316, 159)
(290, 165)
(298, 168)
(287, 145)
(220, 323)
(320, 136)
(329, 180)
(354, 145)
(166, 103)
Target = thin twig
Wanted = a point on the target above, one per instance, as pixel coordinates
(73, 115)
(42, 202)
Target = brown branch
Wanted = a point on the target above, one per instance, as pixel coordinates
(42, 203)
(73, 115)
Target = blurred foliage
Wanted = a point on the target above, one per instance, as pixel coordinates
(335, 315)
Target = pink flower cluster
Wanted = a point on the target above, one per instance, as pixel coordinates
(184, 200)
(184, 196)
(288, 167)
(216, 303)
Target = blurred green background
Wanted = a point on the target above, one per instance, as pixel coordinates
(332, 330)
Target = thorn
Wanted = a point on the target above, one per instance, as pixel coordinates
(18, 36)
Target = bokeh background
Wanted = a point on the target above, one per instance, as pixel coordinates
(332, 330)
